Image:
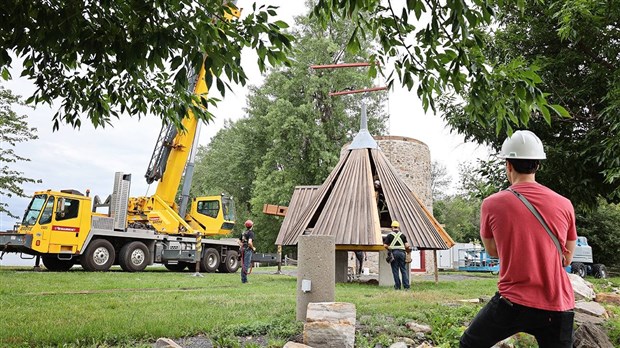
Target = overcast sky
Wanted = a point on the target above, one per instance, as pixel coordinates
(88, 158)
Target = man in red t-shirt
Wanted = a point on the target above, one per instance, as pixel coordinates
(535, 295)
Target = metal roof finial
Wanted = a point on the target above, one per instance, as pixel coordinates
(363, 139)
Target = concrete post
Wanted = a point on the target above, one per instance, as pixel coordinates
(316, 270)
(342, 266)
(385, 270)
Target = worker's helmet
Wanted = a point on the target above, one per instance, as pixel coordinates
(249, 224)
(523, 144)
(395, 224)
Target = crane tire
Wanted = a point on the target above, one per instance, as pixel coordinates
(231, 262)
(134, 257)
(98, 256)
(54, 264)
(176, 267)
(210, 261)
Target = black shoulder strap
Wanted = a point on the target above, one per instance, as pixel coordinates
(541, 220)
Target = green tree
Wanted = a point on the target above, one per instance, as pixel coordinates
(482, 179)
(13, 129)
(108, 58)
(440, 47)
(294, 131)
(460, 216)
(575, 45)
(602, 228)
(440, 180)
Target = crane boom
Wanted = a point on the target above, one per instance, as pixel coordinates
(173, 148)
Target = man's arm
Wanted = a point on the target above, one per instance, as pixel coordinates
(490, 247)
(570, 250)
(251, 244)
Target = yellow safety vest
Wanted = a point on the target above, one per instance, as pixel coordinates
(397, 242)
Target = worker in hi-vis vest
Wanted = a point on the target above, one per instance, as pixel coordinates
(397, 244)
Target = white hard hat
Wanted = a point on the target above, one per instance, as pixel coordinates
(523, 144)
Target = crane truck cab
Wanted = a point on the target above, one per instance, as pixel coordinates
(54, 226)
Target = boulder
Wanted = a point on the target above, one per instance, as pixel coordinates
(507, 343)
(607, 297)
(582, 288)
(330, 324)
(591, 308)
(291, 344)
(581, 318)
(591, 336)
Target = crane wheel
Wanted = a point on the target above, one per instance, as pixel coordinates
(231, 263)
(54, 264)
(99, 256)
(134, 257)
(176, 267)
(210, 261)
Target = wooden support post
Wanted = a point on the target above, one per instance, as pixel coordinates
(435, 265)
(279, 260)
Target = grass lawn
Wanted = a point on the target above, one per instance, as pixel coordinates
(134, 309)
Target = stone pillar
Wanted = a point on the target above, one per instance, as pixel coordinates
(385, 270)
(342, 266)
(316, 264)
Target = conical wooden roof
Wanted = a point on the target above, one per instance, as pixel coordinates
(345, 206)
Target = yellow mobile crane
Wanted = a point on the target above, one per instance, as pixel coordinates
(63, 228)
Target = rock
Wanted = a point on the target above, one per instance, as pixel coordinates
(608, 298)
(415, 327)
(398, 345)
(470, 300)
(583, 289)
(408, 341)
(424, 345)
(504, 344)
(295, 345)
(485, 299)
(591, 336)
(591, 308)
(166, 343)
(330, 324)
(581, 318)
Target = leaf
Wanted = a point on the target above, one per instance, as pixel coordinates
(560, 110)
(281, 24)
(545, 112)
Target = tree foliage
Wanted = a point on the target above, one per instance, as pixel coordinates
(13, 129)
(482, 178)
(460, 217)
(107, 58)
(440, 48)
(576, 45)
(602, 228)
(440, 180)
(294, 131)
